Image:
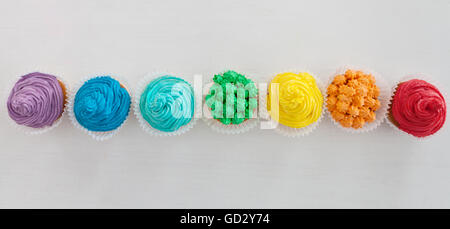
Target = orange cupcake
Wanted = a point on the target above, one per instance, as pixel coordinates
(354, 101)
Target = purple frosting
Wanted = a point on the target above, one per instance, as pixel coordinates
(36, 100)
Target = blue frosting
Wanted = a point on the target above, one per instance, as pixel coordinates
(101, 104)
(167, 103)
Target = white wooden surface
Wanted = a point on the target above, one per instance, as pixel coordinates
(202, 169)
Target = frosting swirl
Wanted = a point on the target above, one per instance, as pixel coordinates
(418, 108)
(298, 97)
(101, 104)
(36, 100)
(167, 103)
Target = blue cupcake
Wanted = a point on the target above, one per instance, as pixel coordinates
(165, 105)
(101, 105)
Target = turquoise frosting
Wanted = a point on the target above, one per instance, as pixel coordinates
(101, 104)
(167, 103)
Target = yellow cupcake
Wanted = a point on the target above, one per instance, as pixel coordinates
(297, 97)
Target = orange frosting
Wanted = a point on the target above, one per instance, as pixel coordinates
(352, 99)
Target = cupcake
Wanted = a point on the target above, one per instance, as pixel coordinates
(165, 105)
(36, 102)
(100, 107)
(355, 101)
(232, 102)
(417, 108)
(295, 102)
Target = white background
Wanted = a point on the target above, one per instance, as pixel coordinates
(202, 169)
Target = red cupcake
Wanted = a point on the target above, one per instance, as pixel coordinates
(418, 108)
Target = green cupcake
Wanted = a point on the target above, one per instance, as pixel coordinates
(232, 98)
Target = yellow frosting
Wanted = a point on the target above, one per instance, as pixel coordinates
(298, 98)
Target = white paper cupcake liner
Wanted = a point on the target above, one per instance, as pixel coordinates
(142, 85)
(30, 130)
(99, 136)
(286, 130)
(428, 79)
(384, 98)
(231, 129)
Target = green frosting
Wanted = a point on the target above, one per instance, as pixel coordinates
(232, 98)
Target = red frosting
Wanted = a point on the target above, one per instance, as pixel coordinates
(419, 108)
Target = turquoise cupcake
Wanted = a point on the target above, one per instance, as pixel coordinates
(165, 105)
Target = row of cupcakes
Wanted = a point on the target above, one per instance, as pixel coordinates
(293, 103)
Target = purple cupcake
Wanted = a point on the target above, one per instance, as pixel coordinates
(37, 101)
